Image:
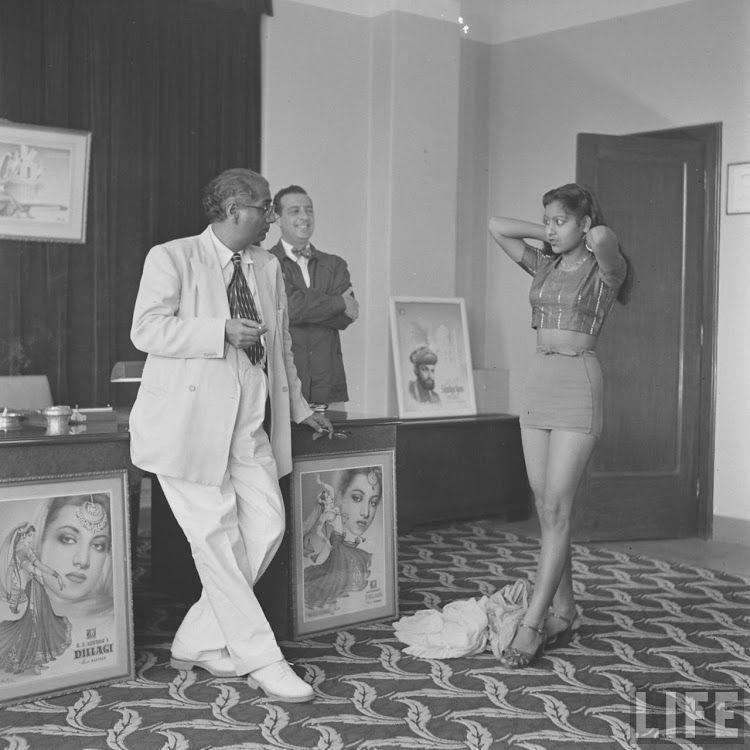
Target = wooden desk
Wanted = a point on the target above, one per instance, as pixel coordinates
(446, 469)
(30, 452)
(458, 468)
(172, 565)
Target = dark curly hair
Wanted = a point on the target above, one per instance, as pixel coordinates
(581, 202)
(289, 190)
(576, 200)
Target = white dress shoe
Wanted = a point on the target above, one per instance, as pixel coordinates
(279, 682)
(221, 666)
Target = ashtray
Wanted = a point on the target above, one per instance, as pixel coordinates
(10, 420)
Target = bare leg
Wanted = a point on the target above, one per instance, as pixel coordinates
(555, 461)
(563, 603)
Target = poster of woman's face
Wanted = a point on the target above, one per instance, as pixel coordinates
(65, 603)
(76, 541)
(431, 355)
(344, 541)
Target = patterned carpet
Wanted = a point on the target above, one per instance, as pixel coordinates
(646, 624)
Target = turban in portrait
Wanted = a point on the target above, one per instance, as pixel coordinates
(423, 356)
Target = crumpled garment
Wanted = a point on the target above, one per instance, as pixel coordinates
(466, 626)
(505, 609)
(459, 630)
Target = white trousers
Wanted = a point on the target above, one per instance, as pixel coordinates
(234, 531)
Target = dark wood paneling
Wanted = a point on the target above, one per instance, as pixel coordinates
(642, 478)
(460, 468)
(709, 135)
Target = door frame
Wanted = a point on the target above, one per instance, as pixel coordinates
(709, 135)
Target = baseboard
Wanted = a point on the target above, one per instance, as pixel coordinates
(731, 530)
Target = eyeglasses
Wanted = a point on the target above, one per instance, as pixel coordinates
(268, 213)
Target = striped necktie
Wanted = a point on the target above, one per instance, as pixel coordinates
(241, 305)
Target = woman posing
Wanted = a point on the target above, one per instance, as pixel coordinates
(577, 275)
(333, 533)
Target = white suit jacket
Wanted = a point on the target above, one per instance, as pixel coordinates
(182, 421)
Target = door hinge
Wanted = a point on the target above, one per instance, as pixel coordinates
(701, 344)
(698, 488)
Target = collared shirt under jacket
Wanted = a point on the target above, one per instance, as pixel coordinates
(316, 315)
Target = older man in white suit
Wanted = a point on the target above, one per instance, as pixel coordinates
(198, 423)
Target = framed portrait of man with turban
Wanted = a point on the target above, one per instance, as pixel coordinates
(431, 355)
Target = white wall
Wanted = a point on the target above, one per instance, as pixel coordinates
(473, 184)
(681, 65)
(316, 134)
(384, 117)
(503, 20)
(363, 112)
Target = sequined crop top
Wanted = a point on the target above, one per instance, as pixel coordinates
(574, 300)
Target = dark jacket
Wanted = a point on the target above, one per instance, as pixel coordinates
(316, 315)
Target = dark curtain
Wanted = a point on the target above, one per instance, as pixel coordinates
(170, 90)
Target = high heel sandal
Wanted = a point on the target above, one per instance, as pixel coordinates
(514, 658)
(563, 637)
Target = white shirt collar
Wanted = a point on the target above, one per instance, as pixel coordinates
(289, 250)
(224, 253)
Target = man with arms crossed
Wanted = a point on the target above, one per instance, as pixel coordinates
(211, 315)
(321, 300)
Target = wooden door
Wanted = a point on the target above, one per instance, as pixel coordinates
(643, 479)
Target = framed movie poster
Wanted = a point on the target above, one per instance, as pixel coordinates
(66, 618)
(432, 360)
(43, 183)
(343, 541)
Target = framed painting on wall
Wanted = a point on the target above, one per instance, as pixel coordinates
(432, 360)
(43, 183)
(66, 619)
(738, 188)
(343, 541)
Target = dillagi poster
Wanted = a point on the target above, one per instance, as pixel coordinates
(345, 555)
(65, 593)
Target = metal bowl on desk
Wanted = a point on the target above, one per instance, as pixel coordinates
(11, 420)
(57, 419)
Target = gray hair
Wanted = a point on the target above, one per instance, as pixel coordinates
(230, 184)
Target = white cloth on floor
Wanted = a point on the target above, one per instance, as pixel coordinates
(505, 609)
(466, 626)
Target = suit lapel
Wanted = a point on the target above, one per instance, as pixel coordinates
(264, 279)
(208, 265)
